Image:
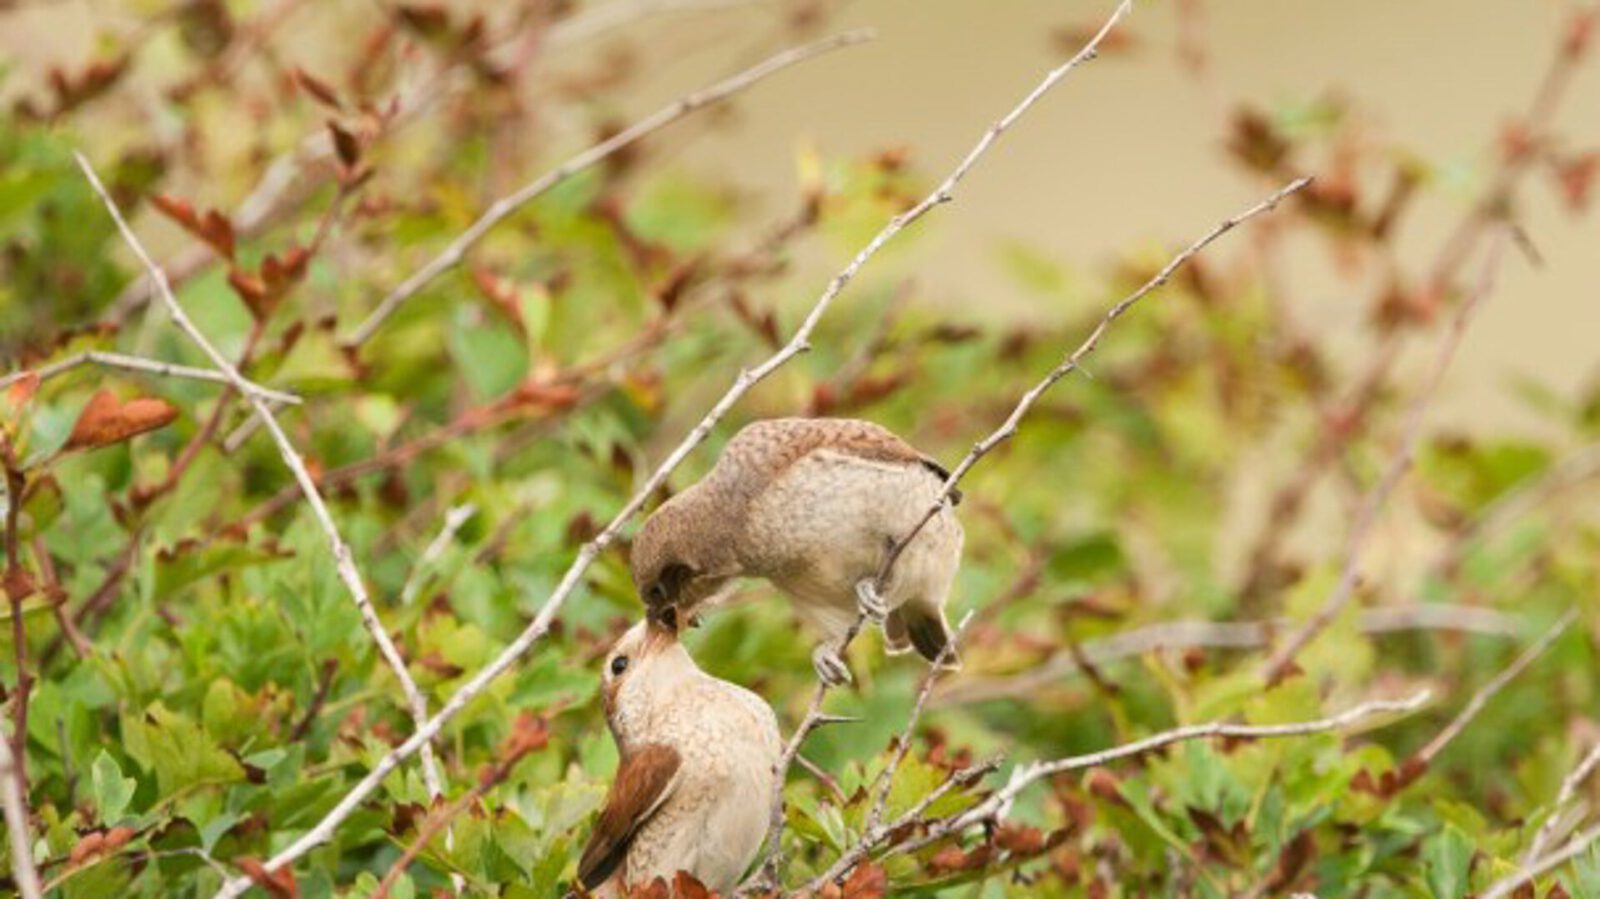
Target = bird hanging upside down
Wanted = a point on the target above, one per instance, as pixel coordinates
(814, 506)
(695, 782)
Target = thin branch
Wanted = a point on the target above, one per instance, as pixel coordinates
(343, 559)
(529, 735)
(149, 367)
(1192, 634)
(876, 834)
(1073, 362)
(903, 742)
(505, 206)
(1518, 501)
(1372, 507)
(590, 551)
(23, 872)
(1507, 885)
(1568, 792)
(874, 831)
(319, 698)
(1481, 698)
(453, 521)
(993, 807)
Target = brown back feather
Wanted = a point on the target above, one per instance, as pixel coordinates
(644, 778)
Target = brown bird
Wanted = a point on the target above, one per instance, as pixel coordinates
(695, 783)
(812, 505)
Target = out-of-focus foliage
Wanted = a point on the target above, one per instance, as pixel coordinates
(203, 688)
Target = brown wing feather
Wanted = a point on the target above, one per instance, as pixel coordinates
(644, 780)
(767, 448)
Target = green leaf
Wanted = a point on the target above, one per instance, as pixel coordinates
(1447, 863)
(490, 354)
(112, 792)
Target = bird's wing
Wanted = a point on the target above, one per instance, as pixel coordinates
(768, 448)
(644, 780)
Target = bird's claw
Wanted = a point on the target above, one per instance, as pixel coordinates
(871, 604)
(831, 669)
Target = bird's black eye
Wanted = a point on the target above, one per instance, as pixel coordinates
(619, 665)
(658, 593)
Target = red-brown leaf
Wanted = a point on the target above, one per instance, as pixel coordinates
(279, 884)
(317, 88)
(22, 390)
(177, 210)
(687, 886)
(88, 845)
(107, 420)
(867, 881)
(217, 231)
(1576, 177)
(345, 144)
(503, 295)
(252, 292)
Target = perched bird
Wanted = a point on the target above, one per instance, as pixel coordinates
(695, 783)
(813, 505)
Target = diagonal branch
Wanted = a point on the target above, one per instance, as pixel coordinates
(1429, 752)
(590, 551)
(505, 206)
(1073, 363)
(1372, 507)
(343, 559)
(1509, 884)
(994, 806)
(1564, 798)
(1193, 633)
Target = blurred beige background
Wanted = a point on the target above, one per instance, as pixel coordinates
(1129, 149)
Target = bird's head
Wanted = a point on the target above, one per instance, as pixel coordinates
(643, 669)
(680, 557)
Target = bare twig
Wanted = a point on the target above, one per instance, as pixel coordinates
(876, 834)
(1564, 798)
(530, 734)
(1171, 635)
(993, 807)
(1481, 698)
(590, 551)
(149, 367)
(1518, 501)
(319, 698)
(1372, 506)
(53, 591)
(1072, 363)
(903, 741)
(23, 872)
(1507, 885)
(453, 520)
(343, 559)
(505, 206)
(770, 873)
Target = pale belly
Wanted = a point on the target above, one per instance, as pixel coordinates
(828, 524)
